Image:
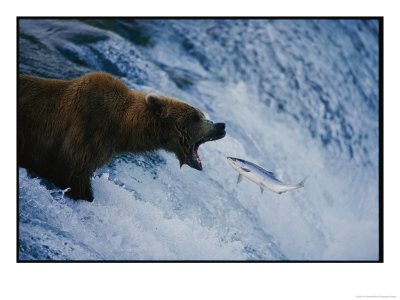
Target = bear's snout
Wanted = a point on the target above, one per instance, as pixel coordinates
(220, 126)
(219, 129)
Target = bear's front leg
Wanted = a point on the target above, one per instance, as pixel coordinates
(81, 189)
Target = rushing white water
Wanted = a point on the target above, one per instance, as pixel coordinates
(299, 97)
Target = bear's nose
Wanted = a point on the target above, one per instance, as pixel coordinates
(220, 126)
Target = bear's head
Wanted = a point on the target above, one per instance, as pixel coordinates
(183, 128)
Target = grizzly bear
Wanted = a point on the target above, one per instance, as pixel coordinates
(68, 128)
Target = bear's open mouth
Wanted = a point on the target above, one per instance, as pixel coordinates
(194, 158)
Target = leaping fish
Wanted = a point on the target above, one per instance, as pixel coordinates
(263, 178)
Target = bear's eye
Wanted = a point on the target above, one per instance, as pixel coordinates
(195, 118)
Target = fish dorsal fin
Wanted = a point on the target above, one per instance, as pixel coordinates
(271, 174)
(240, 177)
(245, 169)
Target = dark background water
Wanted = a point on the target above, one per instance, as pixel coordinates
(299, 97)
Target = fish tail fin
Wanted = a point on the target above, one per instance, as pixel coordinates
(301, 184)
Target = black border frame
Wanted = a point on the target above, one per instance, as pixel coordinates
(381, 189)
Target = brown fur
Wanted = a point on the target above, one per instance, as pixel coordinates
(67, 129)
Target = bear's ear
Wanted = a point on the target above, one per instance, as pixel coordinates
(157, 105)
